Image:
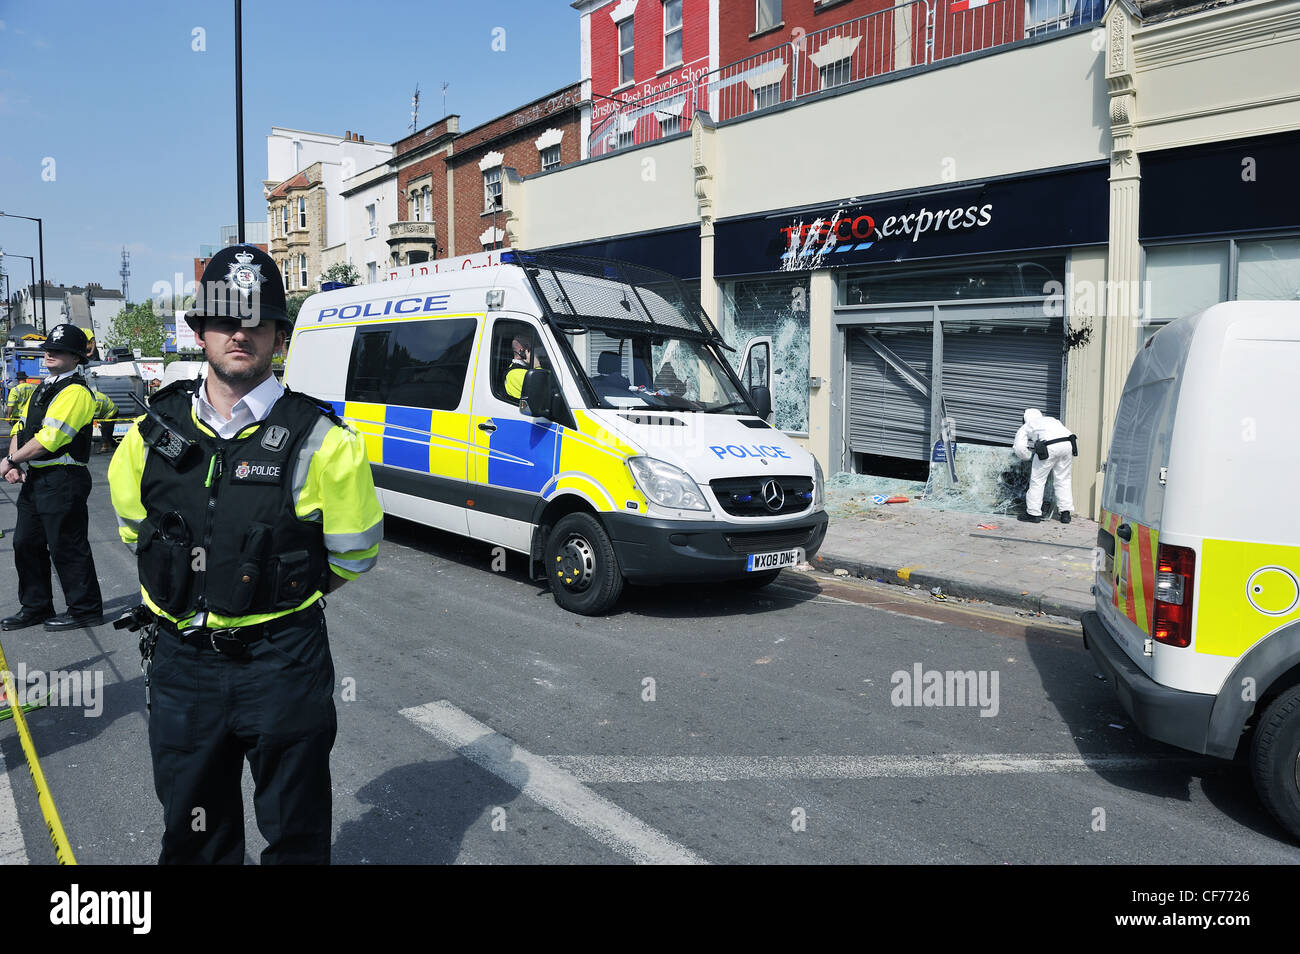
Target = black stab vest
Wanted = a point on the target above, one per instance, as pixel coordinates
(79, 447)
(220, 532)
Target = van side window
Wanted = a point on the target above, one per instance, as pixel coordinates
(504, 336)
(412, 364)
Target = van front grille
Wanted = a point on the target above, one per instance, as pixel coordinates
(748, 543)
(749, 496)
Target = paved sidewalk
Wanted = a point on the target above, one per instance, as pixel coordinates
(1044, 567)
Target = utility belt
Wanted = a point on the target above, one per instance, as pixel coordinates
(232, 641)
(1040, 447)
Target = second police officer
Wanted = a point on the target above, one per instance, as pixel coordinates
(53, 440)
(244, 503)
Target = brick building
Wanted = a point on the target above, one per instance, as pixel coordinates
(422, 193)
(542, 135)
(449, 183)
(642, 59)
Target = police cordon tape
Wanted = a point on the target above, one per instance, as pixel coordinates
(58, 837)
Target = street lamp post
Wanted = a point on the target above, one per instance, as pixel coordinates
(32, 263)
(40, 241)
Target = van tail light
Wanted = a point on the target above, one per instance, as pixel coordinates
(1175, 571)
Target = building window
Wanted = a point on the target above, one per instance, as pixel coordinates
(428, 205)
(767, 15)
(672, 33)
(492, 189)
(766, 96)
(1269, 269)
(372, 272)
(625, 73)
(669, 125)
(1047, 15)
(551, 157)
(284, 219)
(370, 219)
(284, 270)
(837, 73)
(302, 270)
(302, 212)
(415, 206)
(624, 138)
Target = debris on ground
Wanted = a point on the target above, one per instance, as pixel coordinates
(986, 526)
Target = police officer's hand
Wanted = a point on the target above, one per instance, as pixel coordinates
(14, 475)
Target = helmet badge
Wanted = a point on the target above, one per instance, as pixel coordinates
(244, 275)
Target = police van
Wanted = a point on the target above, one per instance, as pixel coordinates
(1197, 619)
(578, 411)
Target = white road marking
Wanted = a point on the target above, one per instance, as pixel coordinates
(549, 786)
(13, 850)
(632, 769)
(827, 600)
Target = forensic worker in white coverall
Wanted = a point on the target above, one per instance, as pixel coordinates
(1052, 448)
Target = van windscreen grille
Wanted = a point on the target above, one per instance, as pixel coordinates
(599, 293)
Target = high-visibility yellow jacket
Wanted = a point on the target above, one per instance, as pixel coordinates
(333, 486)
(59, 429)
(105, 409)
(515, 379)
(19, 395)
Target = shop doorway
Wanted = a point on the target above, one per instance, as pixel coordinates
(976, 364)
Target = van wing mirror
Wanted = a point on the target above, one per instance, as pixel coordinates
(762, 399)
(537, 394)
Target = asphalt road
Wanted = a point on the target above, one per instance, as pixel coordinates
(479, 723)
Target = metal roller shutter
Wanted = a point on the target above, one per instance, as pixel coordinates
(887, 416)
(991, 374)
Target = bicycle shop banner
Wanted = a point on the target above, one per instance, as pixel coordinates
(1056, 210)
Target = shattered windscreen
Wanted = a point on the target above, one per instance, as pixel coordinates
(645, 371)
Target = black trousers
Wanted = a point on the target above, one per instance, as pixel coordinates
(52, 524)
(275, 709)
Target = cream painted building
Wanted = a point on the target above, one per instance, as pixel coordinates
(307, 214)
(966, 239)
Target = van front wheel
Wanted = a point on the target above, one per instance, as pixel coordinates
(581, 566)
(1275, 759)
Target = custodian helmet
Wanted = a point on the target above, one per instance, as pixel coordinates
(241, 281)
(68, 338)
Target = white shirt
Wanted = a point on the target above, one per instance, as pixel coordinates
(248, 410)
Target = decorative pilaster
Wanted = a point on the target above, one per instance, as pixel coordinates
(704, 162)
(511, 219)
(1125, 255)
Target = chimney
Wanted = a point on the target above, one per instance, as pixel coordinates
(361, 138)
(348, 135)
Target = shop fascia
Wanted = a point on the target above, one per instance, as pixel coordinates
(857, 229)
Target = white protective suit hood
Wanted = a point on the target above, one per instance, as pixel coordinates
(1032, 415)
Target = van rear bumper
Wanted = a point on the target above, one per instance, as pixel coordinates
(652, 550)
(1159, 712)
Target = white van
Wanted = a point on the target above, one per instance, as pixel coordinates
(633, 451)
(1197, 621)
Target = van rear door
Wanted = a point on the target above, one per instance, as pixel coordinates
(1128, 537)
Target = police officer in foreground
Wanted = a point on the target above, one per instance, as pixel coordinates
(53, 441)
(244, 503)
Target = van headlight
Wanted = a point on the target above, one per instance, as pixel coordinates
(666, 485)
(819, 486)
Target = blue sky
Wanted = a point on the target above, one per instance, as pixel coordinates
(140, 126)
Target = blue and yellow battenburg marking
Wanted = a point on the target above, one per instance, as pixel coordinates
(538, 458)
